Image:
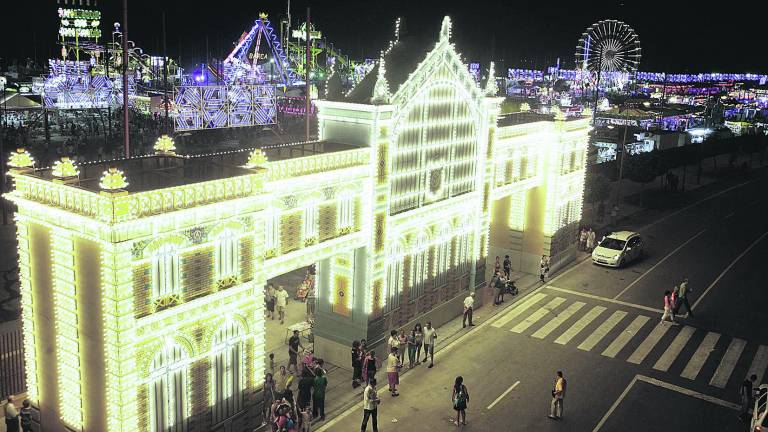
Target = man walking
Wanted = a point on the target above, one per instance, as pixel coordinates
(469, 304)
(430, 334)
(682, 298)
(370, 406)
(294, 343)
(558, 393)
(281, 301)
(507, 266)
(11, 416)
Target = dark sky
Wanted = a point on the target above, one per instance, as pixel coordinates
(676, 36)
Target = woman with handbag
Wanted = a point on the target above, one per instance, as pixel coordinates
(460, 400)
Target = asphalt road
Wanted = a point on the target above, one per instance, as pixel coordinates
(625, 370)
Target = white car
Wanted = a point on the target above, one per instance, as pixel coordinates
(618, 248)
(759, 419)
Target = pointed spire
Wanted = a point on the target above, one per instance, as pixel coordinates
(381, 93)
(445, 29)
(490, 85)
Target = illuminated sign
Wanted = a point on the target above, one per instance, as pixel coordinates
(79, 23)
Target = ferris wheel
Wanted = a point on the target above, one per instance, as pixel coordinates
(608, 48)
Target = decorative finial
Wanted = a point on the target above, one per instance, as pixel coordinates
(381, 93)
(257, 159)
(263, 15)
(165, 145)
(490, 86)
(445, 29)
(525, 107)
(65, 169)
(113, 180)
(21, 159)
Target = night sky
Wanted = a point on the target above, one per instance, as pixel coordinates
(675, 36)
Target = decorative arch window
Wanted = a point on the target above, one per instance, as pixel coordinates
(272, 233)
(166, 278)
(420, 272)
(310, 226)
(227, 256)
(443, 257)
(169, 396)
(346, 213)
(227, 372)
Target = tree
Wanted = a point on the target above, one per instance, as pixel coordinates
(642, 168)
(597, 188)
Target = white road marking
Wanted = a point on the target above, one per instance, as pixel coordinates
(728, 362)
(666, 257)
(539, 314)
(675, 213)
(664, 385)
(506, 392)
(674, 349)
(706, 291)
(517, 310)
(602, 331)
(606, 299)
(556, 322)
(625, 336)
(759, 363)
(647, 345)
(580, 325)
(696, 362)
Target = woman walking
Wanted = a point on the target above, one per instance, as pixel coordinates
(370, 366)
(668, 305)
(412, 358)
(418, 333)
(268, 393)
(460, 399)
(543, 268)
(403, 339)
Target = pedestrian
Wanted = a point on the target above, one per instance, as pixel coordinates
(318, 395)
(507, 266)
(412, 349)
(558, 393)
(497, 265)
(682, 299)
(281, 382)
(357, 365)
(543, 268)
(370, 406)
(393, 341)
(269, 299)
(268, 395)
(11, 416)
(305, 421)
(418, 333)
(673, 301)
(583, 239)
(294, 344)
(591, 240)
(403, 347)
(430, 334)
(288, 393)
(668, 312)
(370, 366)
(460, 400)
(272, 362)
(469, 304)
(26, 416)
(393, 371)
(281, 301)
(746, 395)
(498, 284)
(305, 390)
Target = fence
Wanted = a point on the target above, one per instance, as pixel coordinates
(12, 380)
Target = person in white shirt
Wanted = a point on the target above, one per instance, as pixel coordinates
(281, 301)
(469, 304)
(11, 416)
(393, 341)
(430, 334)
(370, 406)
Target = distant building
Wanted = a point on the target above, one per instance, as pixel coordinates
(143, 303)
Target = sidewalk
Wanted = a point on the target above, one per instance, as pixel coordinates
(340, 395)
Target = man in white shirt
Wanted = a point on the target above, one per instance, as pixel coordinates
(469, 304)
(281, 301)
(11, 416)
(370, 406)
(430, 334)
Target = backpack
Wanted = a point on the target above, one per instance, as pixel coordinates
(460, 399)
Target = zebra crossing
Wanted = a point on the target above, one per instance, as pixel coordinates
(636, 336)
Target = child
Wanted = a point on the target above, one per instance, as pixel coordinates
(272, 363)
(305, 421)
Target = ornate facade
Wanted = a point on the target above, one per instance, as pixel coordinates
(148, 297)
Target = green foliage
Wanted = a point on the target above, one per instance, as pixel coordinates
(598, 188)
(642, 168)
